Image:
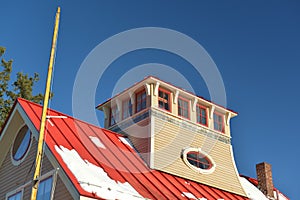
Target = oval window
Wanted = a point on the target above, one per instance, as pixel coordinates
(21, 143)
(198, 160)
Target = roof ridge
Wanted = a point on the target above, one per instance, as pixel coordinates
(69, 116)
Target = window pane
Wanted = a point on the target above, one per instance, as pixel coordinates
(160, 93)
(140, 101)
(218, 122)
(114, 115)
(143, 100)
(21, 143)
(183, 109)
(127, 109)
(198, 160)
(112, 119)
(163, 100)
(203, 116)
(16, 196)
(45, 188)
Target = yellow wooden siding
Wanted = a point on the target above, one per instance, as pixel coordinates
(170, 140)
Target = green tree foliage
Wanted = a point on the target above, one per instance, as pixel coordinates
(21, 87)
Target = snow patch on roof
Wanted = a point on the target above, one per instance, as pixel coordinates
(125, 141)
(97, 142)
(188, 195)
(251, 190)
(188, 183)
(94, 179)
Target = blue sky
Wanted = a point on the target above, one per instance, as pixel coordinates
(255, 46)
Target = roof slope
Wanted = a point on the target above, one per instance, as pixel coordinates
(106, 155)
(254, 182)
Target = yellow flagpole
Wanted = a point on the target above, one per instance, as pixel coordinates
(44, 112)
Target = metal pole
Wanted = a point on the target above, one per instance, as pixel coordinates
(44, 112)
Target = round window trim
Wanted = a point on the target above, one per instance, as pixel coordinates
(207, 157)
(21, 145)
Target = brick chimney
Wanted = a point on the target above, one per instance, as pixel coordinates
(264, 177)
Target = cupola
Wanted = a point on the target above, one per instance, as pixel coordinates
(176, 131)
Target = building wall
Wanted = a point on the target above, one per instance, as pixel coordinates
(170, 138)
(12, 176)
(139, 135)
(166, 135)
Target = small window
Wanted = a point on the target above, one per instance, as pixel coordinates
(45, 189)
(198, 160)
(15, 196)
(140, 101)
(127, 108)
(21, 144)
(219, 122)
(114, 115)
(164, 99)
(183, 108)
(201, 115)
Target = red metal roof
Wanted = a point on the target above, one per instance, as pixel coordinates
(119, 160)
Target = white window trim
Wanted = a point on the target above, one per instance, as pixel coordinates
(18, 162)
(11, 193)
(202, 171)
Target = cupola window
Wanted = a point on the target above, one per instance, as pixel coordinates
(201, 115)
(164, 99)
(219, 122)
(114, 115)
(140, 100)
(127, 108)
(183, 107)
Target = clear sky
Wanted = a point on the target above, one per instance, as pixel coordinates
(254, 44)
